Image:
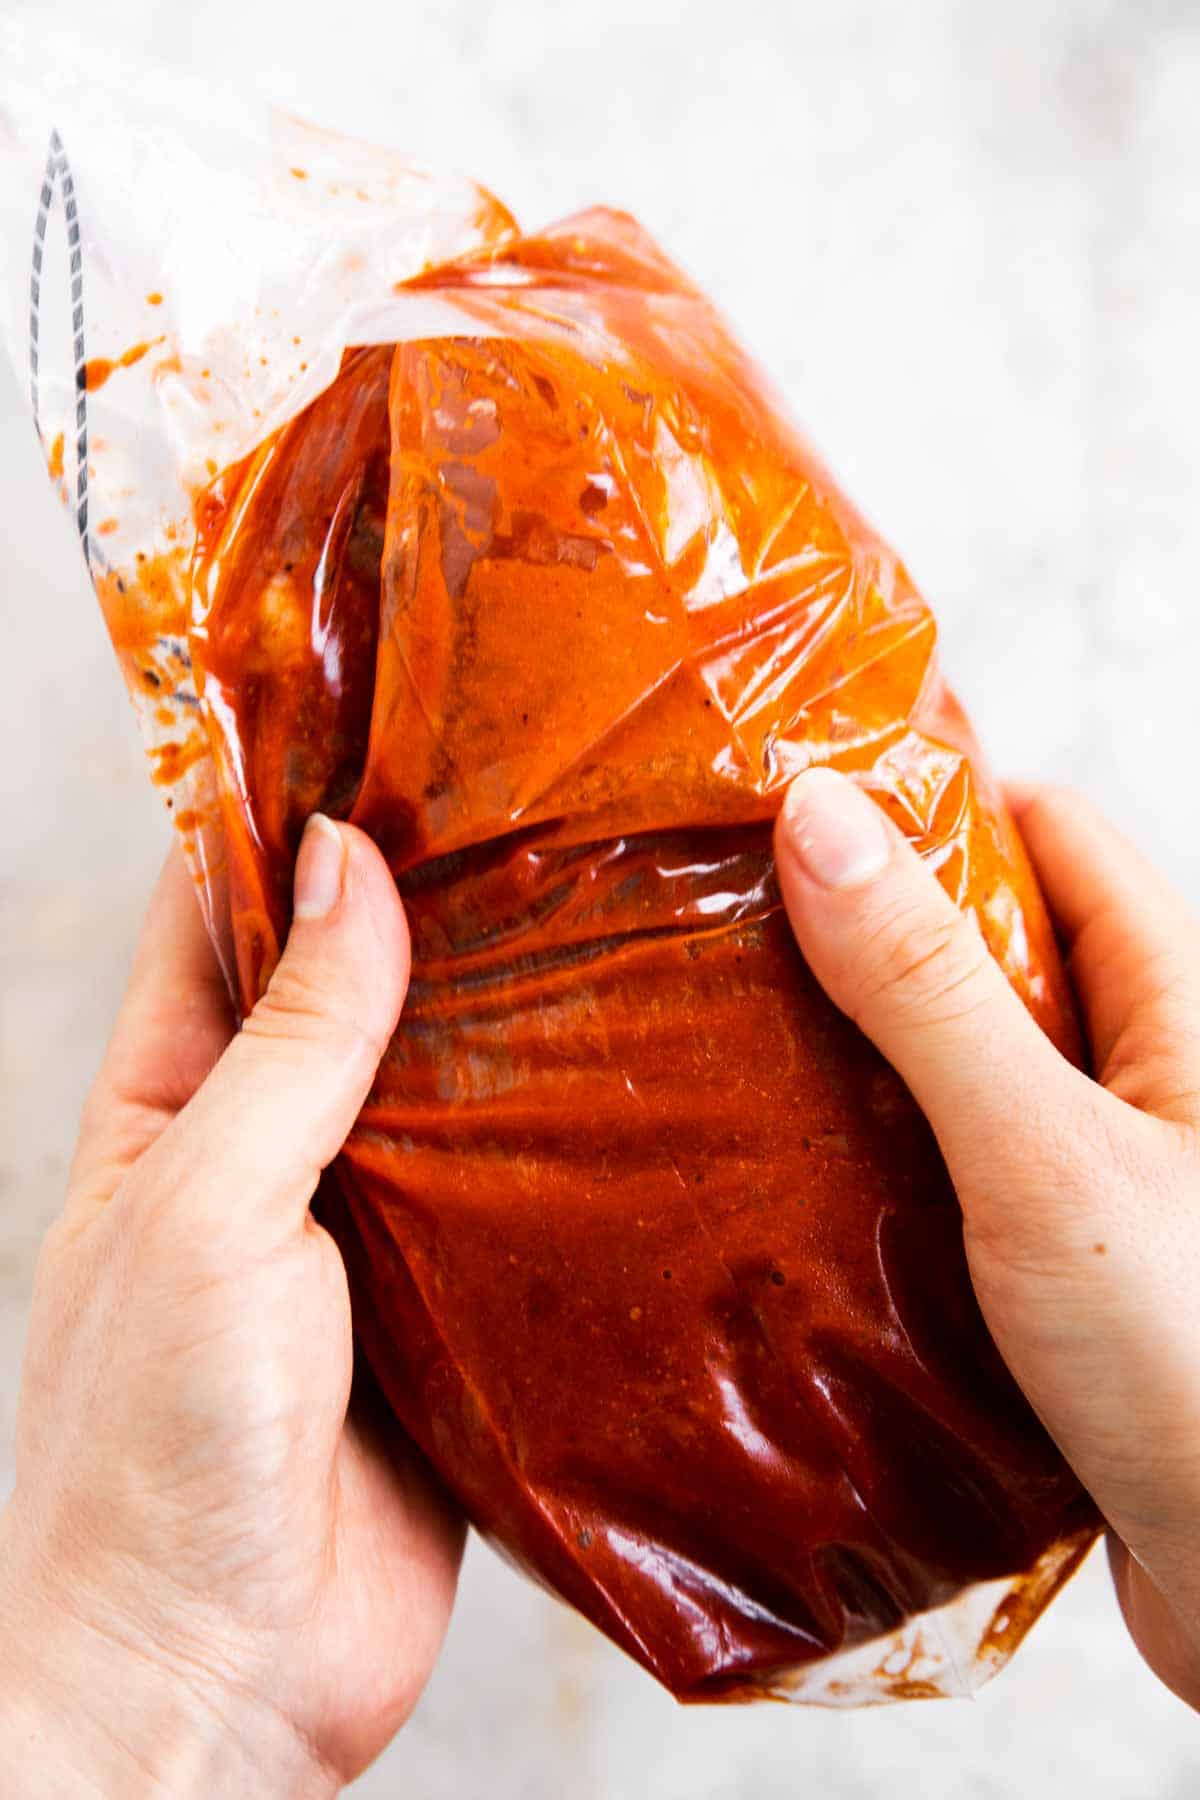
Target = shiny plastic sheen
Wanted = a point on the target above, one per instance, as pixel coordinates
(652, 1254)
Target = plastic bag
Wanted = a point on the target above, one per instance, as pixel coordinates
(501, 547)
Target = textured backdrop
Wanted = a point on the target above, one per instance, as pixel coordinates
(966, 240)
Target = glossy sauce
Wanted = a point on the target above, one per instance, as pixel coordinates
(101, 368)
(652, 1254)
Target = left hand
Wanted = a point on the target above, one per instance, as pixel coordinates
(215, 1575)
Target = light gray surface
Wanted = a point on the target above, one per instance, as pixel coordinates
(966, 240)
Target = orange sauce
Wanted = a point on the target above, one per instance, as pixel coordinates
(654, 1257)
(101, 368)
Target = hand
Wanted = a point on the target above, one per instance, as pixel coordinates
(214, 1579)
(1080, 1198)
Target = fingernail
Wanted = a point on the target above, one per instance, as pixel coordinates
(836, 832)
(320, 867)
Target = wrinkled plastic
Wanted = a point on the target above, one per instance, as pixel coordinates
(652, 1254)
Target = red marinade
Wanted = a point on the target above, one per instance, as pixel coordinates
(652, 1254)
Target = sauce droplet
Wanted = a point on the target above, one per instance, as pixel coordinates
(97, 371)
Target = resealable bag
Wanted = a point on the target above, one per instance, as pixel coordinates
(500, 547)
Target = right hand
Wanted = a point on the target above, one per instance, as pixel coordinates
(1080, 1197)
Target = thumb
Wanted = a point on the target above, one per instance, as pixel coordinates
(893, 951)
(251, 1143)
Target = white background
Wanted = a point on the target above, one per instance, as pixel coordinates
(966, 240)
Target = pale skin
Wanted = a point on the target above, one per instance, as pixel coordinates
(219, 1574)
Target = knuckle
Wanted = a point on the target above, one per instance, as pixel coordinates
(1051, 801)
(299, 1008)
(919, 967)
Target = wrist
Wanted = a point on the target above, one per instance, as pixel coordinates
(84, 1711)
